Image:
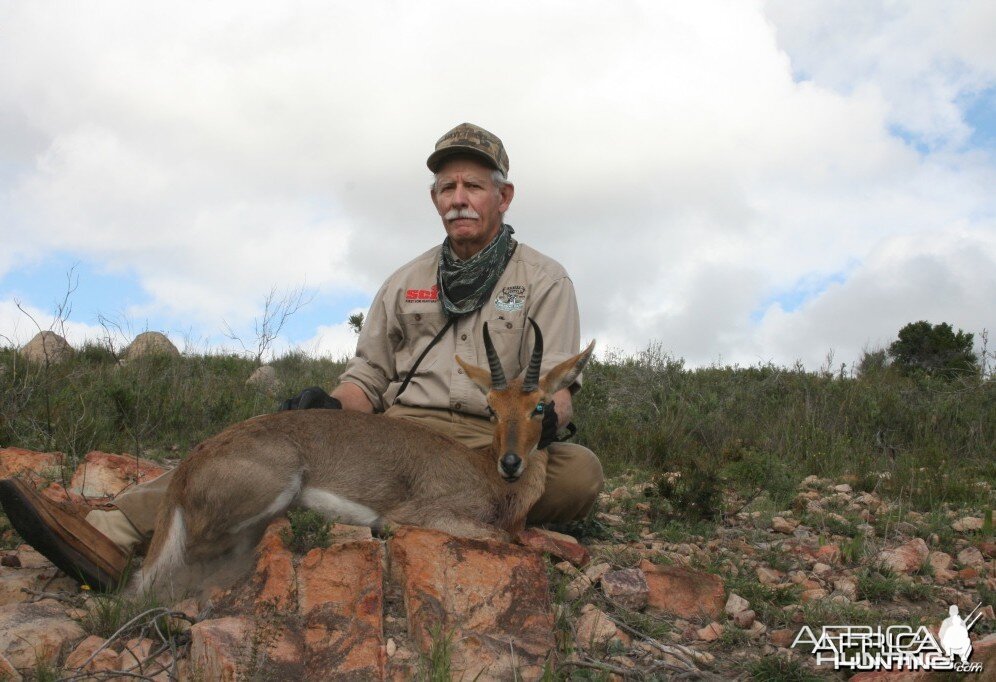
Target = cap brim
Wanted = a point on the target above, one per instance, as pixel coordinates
(436, 159)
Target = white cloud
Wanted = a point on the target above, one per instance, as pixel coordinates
(664, 153)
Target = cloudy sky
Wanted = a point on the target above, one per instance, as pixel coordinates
(740, 181)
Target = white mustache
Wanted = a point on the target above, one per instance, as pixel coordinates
(455, 213)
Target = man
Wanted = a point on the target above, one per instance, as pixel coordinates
(427, 312)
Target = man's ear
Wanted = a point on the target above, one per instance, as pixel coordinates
(506, 192)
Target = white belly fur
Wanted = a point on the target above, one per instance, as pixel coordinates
(336, 507)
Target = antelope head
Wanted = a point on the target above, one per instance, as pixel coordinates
(517, 407)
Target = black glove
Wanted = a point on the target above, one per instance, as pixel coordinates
(311, 398)
(549, 434)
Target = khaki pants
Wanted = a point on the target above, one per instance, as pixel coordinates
(573, 480)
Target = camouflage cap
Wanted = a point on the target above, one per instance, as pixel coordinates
(468, 138)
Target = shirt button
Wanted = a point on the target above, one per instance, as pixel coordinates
(457, 406)
(463, 337)
(417, 317)
(508, 325)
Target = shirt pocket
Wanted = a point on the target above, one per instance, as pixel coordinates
(508, 333)
(417, 332)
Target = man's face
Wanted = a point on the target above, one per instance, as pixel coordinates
(469, 204)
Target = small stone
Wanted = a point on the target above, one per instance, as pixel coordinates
(27, 557)
(828, 554)
(683, 592)
(745, 619)
(968, 575)
(906, 528)
(627, 587)
(769, 576)
(594, 628)
(797, 577)
(264, 379)
(391, 647)
(577, 588)
(757, 629)
(971, 557)
(968, 523)
(782, 638)
(555, 544)
(847, 586)
(842, 488)
(610, 519)
(621, 640)
(595, 572)
(906, 558)
(822, 569)
(782, 525)
(940, 561)
(814, 594)
(107, 659)
(735, 604)
(134, 657)
(711, 632)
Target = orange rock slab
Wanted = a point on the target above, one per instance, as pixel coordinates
(490, 598)
(556, 544)
(14, 461)
(683, 592)
(236, 648)
(340, 596)
(83, 660)
(102, 474)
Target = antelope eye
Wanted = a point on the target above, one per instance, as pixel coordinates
(539, 409)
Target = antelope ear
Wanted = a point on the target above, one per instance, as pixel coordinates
(565, 373)
(481, 377)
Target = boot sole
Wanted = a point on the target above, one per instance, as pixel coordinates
(35, 528)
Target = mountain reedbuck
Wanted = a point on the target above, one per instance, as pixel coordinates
(356, 468)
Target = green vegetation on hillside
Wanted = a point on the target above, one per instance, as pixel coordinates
(922, 438)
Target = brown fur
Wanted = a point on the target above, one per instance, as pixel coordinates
(235, 482)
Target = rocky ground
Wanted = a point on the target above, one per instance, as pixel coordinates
(639, 598)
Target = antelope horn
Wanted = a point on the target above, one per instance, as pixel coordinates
(531, 381)
(498, 382)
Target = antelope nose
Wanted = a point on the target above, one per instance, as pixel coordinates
(510, 463)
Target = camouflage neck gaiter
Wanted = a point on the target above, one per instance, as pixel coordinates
(464, 285)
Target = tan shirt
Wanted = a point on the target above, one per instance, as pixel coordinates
(406, 314)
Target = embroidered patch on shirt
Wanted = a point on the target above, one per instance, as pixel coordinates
(511, 298)
(422, 295)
